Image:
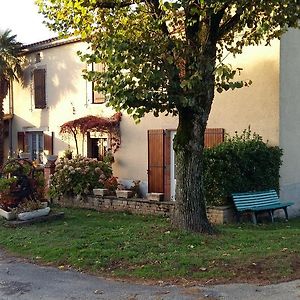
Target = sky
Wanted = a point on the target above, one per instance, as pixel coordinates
(22, 17)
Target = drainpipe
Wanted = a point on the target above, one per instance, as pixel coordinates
(11, 111)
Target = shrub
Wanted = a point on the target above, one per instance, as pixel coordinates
(242, 163)
(78, 176)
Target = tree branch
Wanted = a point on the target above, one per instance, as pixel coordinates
(109, 4)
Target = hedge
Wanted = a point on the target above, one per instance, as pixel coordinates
(242, 163)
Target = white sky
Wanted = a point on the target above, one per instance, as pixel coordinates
(22, 17)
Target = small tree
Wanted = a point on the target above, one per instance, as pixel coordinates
(167, 57)
(10, 69)
(95, 124)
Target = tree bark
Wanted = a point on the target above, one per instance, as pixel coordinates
(4, 85)
(190, 210)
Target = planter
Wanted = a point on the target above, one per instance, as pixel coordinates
(51, 158)
(34, 214)
(24, 155)
(100, 192)
(220, 214)
(155, 196)
(8, 215)
(124, 194)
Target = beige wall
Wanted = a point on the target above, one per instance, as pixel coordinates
(290, 118)
(257, 105)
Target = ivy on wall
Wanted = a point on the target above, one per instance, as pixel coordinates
(86, 124)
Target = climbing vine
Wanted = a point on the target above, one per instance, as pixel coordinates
(83, 125)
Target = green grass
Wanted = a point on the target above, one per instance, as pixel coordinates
(147, 247)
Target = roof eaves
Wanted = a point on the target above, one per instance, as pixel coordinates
(49, 43)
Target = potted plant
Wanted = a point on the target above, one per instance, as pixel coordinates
(24, 154)
(7, 201)
(31, 209)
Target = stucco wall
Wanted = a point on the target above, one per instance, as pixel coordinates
(257, 105)
(290, 118)
(67, 100)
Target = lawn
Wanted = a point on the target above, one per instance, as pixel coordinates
(148, 248)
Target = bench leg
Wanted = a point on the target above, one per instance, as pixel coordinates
(254, 220)
(286, 213)
(238, 217)
(271, 213)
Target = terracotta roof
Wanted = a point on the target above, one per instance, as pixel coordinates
(49, 43)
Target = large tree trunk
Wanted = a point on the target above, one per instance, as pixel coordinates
(4, 85)
(190, 212)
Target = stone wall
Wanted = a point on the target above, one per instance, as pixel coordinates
(133, 205)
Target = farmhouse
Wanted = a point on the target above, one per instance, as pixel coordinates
(55, 92)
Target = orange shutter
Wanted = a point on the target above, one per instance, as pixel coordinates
(213, 137)
(39, 76)
(156, 152)
(48, 142)
(21, 141)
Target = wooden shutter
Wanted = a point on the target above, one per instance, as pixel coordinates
(39, 76)
(48, 142)
(98, 98)
(21, 141)
(156, 152)
(213, 137)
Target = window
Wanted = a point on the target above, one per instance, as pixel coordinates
(36, 143)
(39, 86)
(97, 145)
(97, 98)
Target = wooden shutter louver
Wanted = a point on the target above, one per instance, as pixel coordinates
(39, 76)
(48, 142)
(213, 137)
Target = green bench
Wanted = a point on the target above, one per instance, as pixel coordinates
(256, 202)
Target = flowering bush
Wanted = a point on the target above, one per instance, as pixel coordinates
(78, 176)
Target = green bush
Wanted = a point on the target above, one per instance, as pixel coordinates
(242, 163)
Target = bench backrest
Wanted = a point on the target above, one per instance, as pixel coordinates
(244, 201)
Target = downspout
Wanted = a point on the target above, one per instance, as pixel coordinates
(11, 111)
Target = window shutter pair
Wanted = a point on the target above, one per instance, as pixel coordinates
(39, 78)
(23, 141)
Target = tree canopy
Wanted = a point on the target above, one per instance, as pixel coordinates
(168, 57)
(150, 47)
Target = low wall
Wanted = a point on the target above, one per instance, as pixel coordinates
(219, 215)
(133, 205)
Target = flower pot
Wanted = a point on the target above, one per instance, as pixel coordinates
(24, 155)
(8, 215)
(124, 194)
(51, 158)
(100, 192)
(34, 214)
